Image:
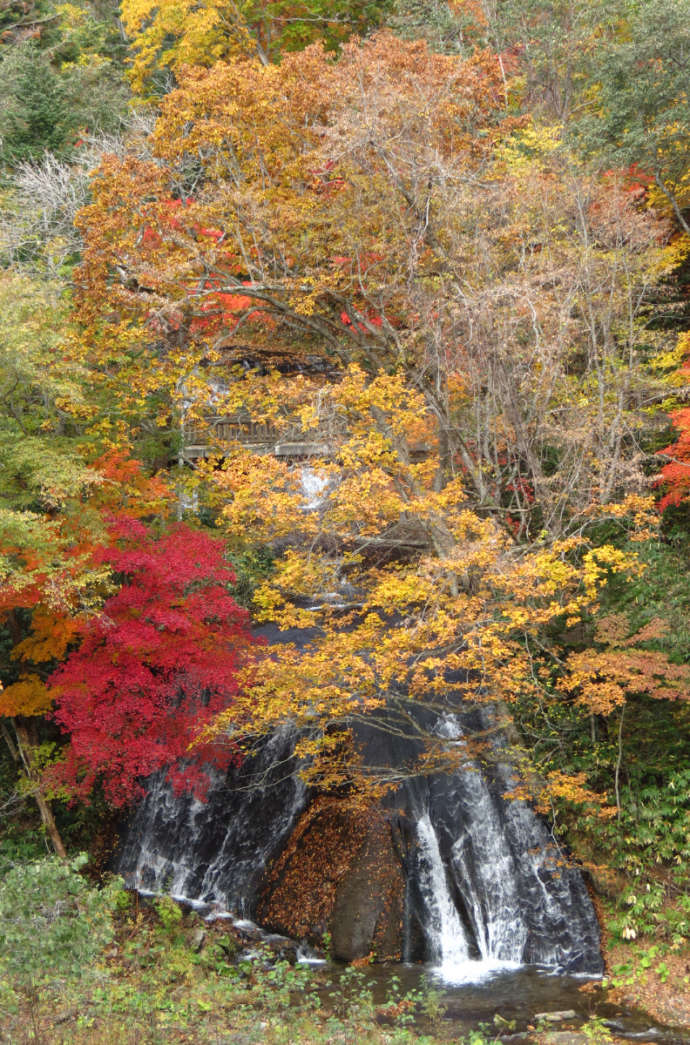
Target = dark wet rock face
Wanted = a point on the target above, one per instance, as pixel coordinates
(215, 852)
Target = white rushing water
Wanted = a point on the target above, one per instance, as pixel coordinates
(492, 891)
(448, 938)
(486, 888)
(315, 488)
(450, 945)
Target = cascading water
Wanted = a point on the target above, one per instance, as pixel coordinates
(484, 867)
(449, 944)
(486, 885)
(314, 486)
(510, 889)
(215, 852)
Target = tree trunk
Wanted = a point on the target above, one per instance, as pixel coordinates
(11, 746)
(25, 746)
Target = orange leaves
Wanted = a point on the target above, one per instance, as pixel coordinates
(51, 634)
(603, 679)
(400, 84)
(29, 696)
(126, 489)
(273, 171)
(570, 788)
(302, 241)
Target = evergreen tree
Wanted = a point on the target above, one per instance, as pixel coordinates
(36, 118)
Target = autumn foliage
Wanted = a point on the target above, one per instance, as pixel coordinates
(142, 623)
(441, 318)
(270, 248)
(157, 663)
(432, 291)
(674, 476)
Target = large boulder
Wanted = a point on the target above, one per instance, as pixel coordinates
(339, 876)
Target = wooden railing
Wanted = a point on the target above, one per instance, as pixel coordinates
(219, 433)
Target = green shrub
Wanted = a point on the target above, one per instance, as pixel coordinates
(53, 923)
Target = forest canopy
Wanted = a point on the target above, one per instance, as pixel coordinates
(368, 320)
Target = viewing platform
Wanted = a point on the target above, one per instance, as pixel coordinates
(216, 437)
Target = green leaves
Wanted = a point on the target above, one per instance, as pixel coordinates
(53, 924)
(639, 109)
(59, 80)
(36, 115)
(40, 464)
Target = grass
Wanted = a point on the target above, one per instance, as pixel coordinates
(165, 977)
(155, 985)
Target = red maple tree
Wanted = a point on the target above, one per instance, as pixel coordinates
(153, 668)
(675, 476)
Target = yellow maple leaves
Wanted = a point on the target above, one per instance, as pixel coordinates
(457, 296)
(406, 594)
(168, 35)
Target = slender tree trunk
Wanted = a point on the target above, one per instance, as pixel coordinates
(619, 763)
(25, 747)
(11, 746)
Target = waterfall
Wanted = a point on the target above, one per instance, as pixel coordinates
(485, 885)
(314, 488)
(448, 938)
(499, 878)
(215, 852)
